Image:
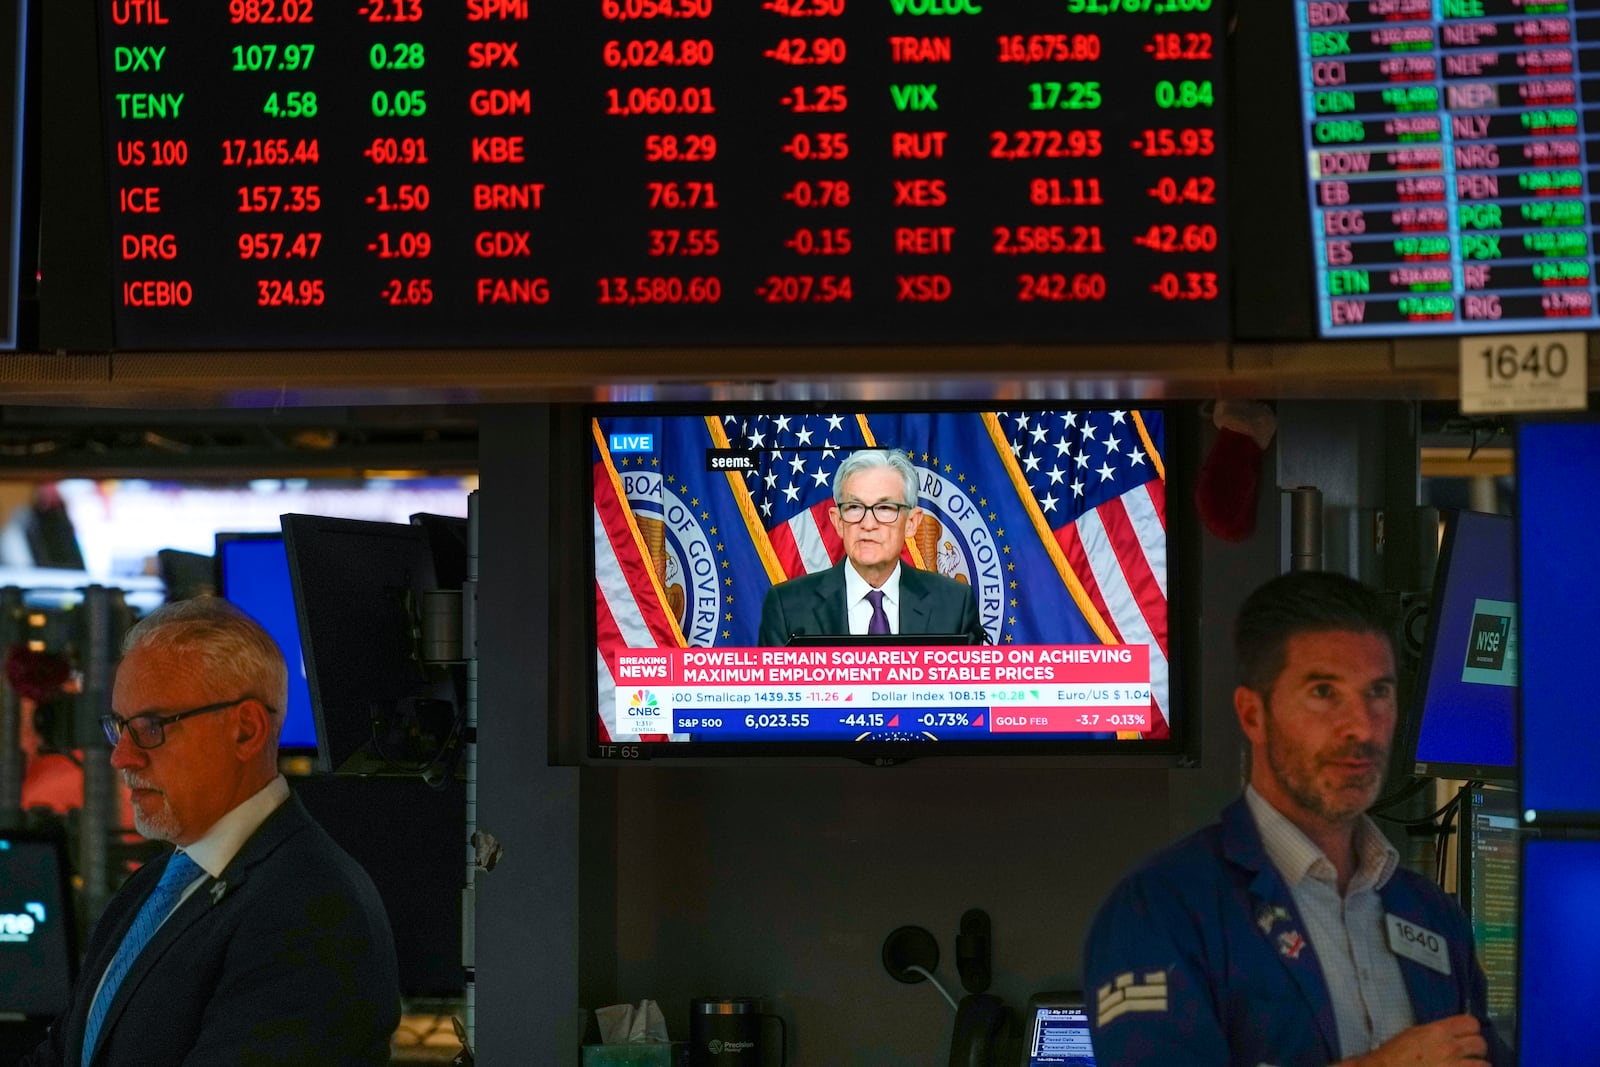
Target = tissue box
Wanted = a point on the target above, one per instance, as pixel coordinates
(636, 1055)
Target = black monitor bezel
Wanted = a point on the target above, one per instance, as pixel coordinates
(1181, 748)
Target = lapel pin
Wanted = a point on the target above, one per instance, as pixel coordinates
(217, 891)
(1290, 944)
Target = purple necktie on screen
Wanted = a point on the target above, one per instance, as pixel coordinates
(879, 623)
(181, 870)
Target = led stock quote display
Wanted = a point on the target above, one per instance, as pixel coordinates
(1451, 150)
(491, 172)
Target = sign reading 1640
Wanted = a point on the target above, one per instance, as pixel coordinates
(1524, 372)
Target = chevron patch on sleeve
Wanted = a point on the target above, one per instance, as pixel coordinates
(1129, 993)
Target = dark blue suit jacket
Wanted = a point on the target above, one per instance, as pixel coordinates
(1198, 959)
(929, 604)
(287, 959)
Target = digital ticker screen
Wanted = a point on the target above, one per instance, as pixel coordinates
(290, 173)
(1450, 153)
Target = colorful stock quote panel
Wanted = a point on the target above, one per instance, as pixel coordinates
(1451, 148)
(421, 172)
(1054, 519)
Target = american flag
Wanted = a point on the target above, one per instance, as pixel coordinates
(1097, 479)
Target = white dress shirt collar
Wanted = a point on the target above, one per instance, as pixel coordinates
(1296, 856)
(855, 594)
(214, 851)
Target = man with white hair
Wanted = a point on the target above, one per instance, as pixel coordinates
(257, 940)
(868, 592)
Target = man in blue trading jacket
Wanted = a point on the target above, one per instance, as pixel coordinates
(1287, 935)
(868, 592)
(258, 941)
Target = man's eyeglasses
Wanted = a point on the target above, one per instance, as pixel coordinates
(886, 513)
(150, 731)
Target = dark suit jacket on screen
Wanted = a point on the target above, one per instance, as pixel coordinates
(929, 604)
(287, 959)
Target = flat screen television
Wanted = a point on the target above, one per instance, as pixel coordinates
(1558, 466)
(1049, 521)
(38, 945)
(253, 574)
(1559, 983)
(1465, 721)
(379, 706)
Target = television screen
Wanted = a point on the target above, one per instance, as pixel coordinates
(253, 573)
(37, 944)
(1446, 165)
(1466, 700)
(1558, 464)
(1032, 592)
(1560, 983)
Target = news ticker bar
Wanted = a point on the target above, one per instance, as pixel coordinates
(856, 692)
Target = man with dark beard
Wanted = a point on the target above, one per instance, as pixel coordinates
(1287, 935)
(257, 940)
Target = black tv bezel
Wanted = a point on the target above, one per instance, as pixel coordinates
(1181, 748)
(217, 571)
(1474, 772)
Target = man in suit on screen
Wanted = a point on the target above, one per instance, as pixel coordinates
(868, 592)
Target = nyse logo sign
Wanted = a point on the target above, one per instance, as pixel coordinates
(18, 928)
(1486, 647)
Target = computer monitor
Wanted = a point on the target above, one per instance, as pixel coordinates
(186, 574)
(38, 949)
(253, 574)
(1559, 983)
(1558, 465)
(1490, 853)
(358, 593)
(1465, 725)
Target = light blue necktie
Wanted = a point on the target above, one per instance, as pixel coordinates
(181, 871)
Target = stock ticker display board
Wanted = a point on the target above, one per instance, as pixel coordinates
(1452, 154)
(291, 173)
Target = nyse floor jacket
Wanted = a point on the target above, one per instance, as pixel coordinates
(929, 604)
(1198, 959)
(287, 959)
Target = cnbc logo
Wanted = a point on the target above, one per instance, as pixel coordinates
(644, 703)
(1486, 646)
